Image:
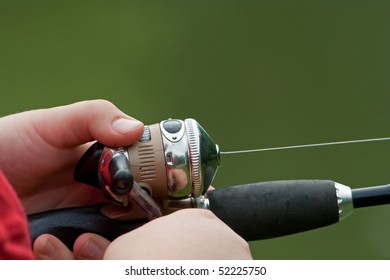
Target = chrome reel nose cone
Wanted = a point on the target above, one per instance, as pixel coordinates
(205, 157)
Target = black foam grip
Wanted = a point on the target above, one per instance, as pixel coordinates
(68, 224)
(271, 209)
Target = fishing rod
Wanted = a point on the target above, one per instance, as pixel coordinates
(172, 166)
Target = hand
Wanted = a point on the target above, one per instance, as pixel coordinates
(40, 149)
(185, 234)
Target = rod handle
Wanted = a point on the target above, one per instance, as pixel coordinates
(69, 223)
(271, 209)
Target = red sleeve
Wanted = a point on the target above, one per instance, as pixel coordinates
(15, 242)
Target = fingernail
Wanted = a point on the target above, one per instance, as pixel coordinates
(124, 126)
(48, 249)
(91, 250)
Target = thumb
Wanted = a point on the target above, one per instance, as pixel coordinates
(72, 125)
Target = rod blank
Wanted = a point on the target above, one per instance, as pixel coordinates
(371, 196)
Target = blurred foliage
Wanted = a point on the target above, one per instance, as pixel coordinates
(253, 73)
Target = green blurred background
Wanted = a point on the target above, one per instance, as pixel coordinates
(253, 73)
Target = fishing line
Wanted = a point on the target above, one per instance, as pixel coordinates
(306, 146)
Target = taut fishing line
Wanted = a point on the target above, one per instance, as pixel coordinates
(306, 146)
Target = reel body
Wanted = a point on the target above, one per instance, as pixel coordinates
(171, 166)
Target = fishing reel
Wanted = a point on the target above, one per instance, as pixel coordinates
(170, 167)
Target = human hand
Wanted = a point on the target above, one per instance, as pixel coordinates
(185, 234)
(40, 149)
(180, 235)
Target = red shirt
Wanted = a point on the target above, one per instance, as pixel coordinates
(15, 242)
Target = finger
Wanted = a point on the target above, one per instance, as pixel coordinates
(72, 125)
(90, 246)
(49, 247)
